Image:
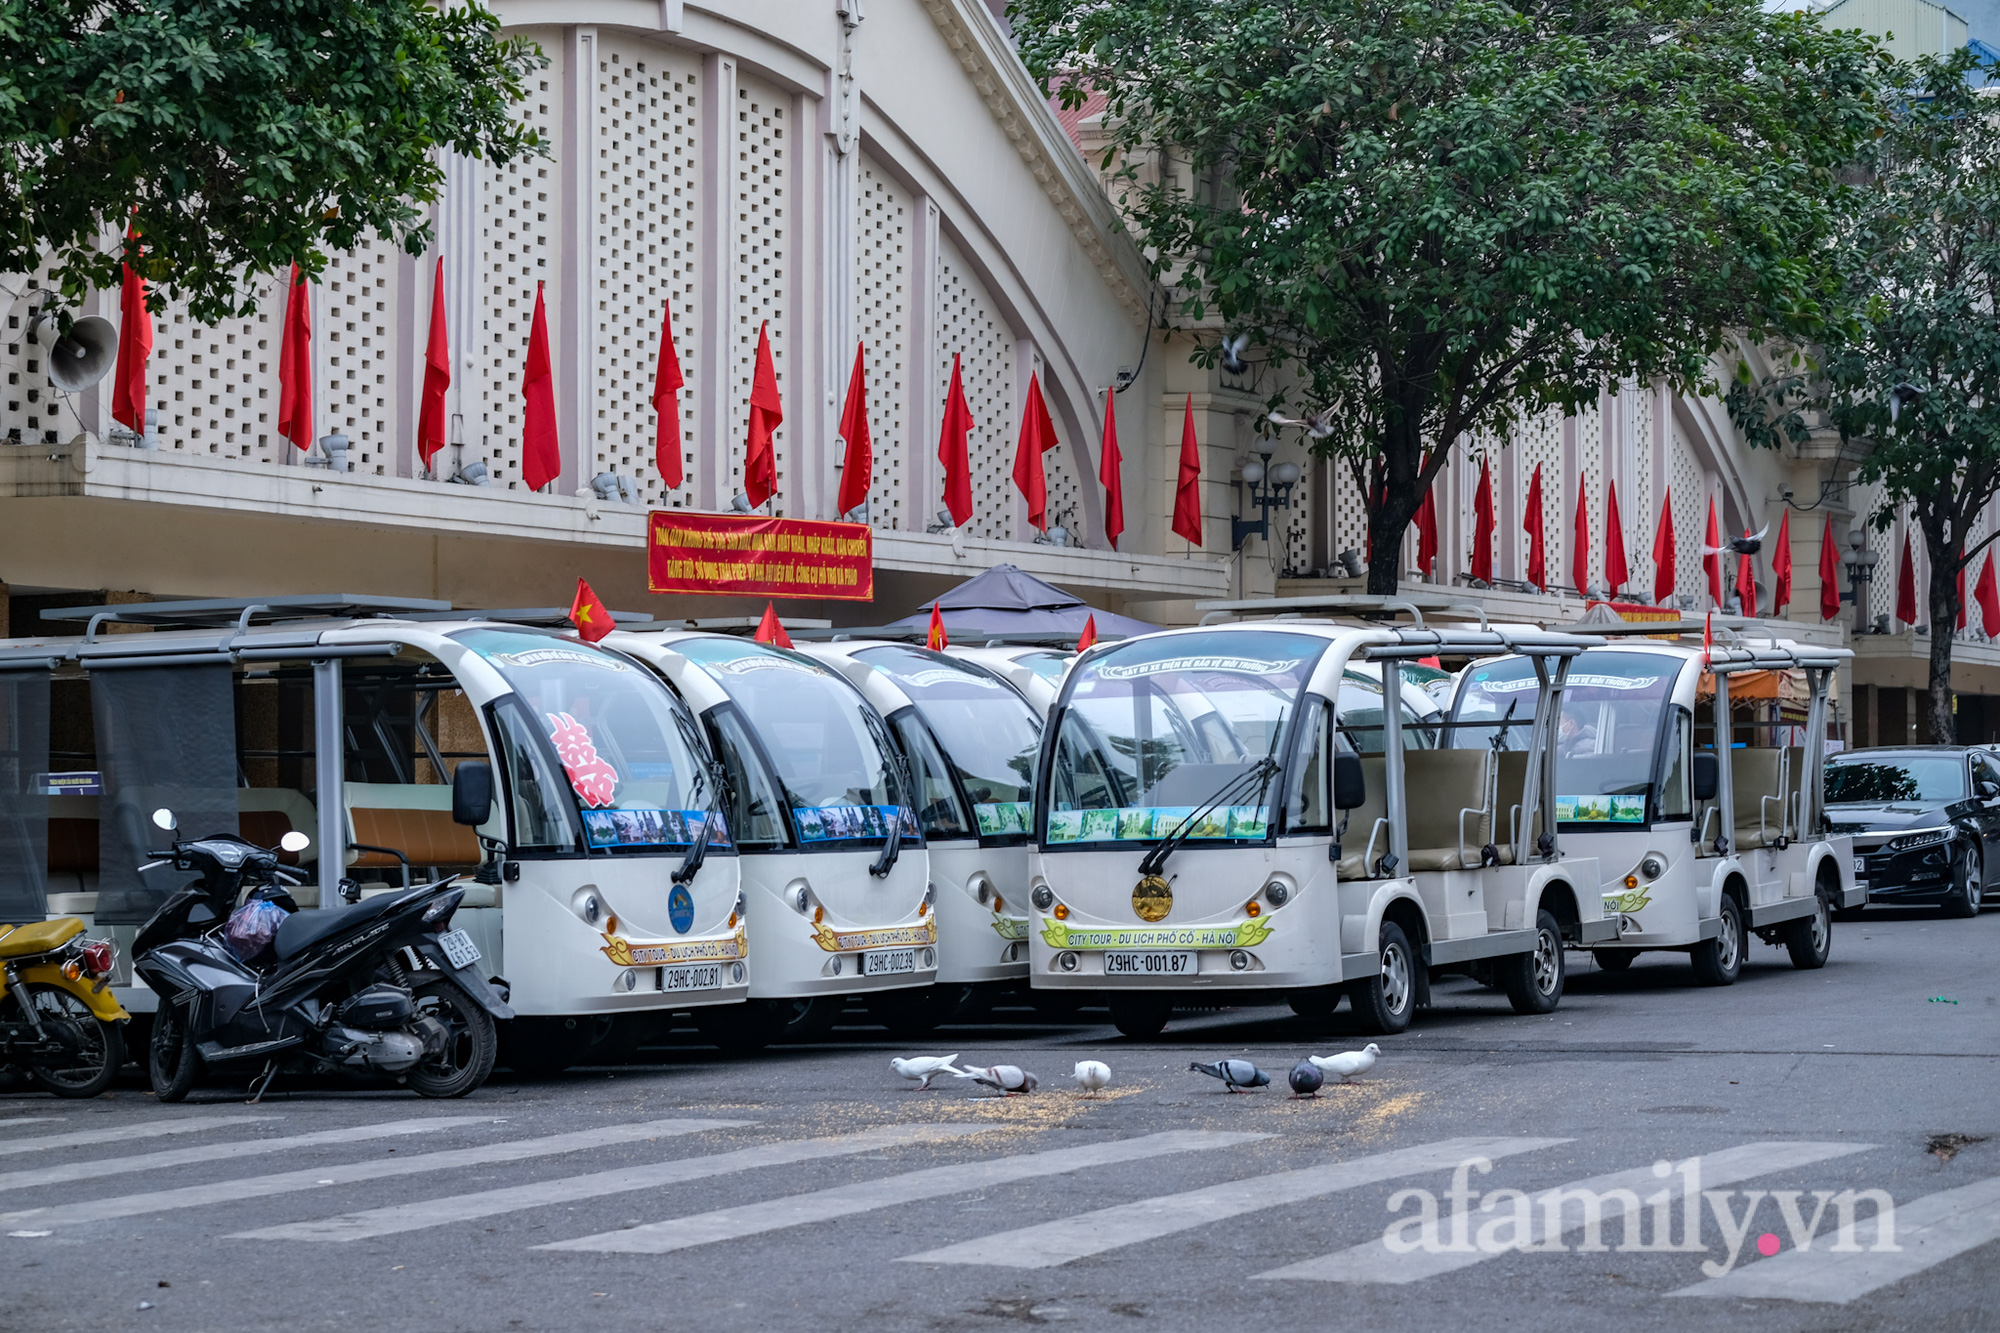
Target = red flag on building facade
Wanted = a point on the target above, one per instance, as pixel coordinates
(1427, 533)
(1712, 560)
(937, 640)
(1038, 436)
(1187, 488)
(1987, 593)
(667, 382)
(1088, 638)
(589, 614)
(437, 377)
(1906, 584)
(1781, 566)
(541, 454)
(1579, 554)
(1829, 573)
(767, 413)
(295, 366)
(1531, 523)
(1111, 473)
(1616, 572)
(1664, 574)
(1746, 583)
(771, 630)
(135, 346)
(958, 424)
(857, 469)
(1480, 565)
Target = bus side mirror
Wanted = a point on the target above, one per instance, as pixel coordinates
(472, 792)
(1707, 776)
(1350, 786)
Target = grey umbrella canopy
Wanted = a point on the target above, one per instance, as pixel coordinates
(1004, 600)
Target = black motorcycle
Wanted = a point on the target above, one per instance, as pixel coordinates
(385, 988)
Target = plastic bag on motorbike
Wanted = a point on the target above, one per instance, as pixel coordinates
(252, 927)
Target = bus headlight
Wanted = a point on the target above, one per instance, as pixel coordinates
(1043, 897)
(1277, 893)
(1239, 961)
(1066, 962)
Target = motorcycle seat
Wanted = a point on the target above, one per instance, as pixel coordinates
(42, 936)
(302, 930)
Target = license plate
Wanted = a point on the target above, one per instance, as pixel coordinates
(706, 977)
(459, 948)
(888, 960)
(1152, 963)
(1860, 867)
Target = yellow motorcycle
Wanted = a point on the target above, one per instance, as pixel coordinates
(59, 1022)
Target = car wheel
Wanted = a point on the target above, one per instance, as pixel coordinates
(1809, 939)
(1385, 1002)
(1717, 961)
(1534, 980)
(1966, 896)
(1140, 1014)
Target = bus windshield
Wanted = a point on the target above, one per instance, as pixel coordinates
(989, 734)
(829, 751)
(1153, 729)
(624, 743)
(1606, 747)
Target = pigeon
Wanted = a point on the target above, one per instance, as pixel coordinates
(1092, 1075)
(924, 1068)
(1236, 1075)
(1232, 353)
(1007, 1080)
(1318, 426)
(1348, 1063)
(1748, 544)
(1305, 1079)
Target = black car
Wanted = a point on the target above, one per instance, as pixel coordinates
(1925, 820)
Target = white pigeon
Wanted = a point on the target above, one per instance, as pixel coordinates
(1348, 1063)
(1091, 1076)
(1007, 1080)
(924, 1068)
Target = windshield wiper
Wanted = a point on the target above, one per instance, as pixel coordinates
(1254, 778)
(697, 851)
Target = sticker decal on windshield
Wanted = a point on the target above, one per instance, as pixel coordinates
(535, 657)
(930, 676)
(593, 777)
(1144, 823)
(1000, 818)
(1601, 809)
(650, 828)
(839, 823)
(1242, 666)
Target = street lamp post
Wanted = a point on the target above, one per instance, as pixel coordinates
(1860, 573)
(1270, 488)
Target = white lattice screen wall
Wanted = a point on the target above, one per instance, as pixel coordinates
(760, 214)
(1295, 540)
(1690, 515)
(518, 225)
(217, 388)
(353, 331)
(1879, 595)
(970, 324)
(1065, 499)
(31, 409)
(882, 219)
(1640, 509)
(645, 202)
(1538, 440)
(1350, 515)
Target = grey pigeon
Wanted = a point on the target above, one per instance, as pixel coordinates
(1305, 1079)
(1007, 1080)
(1236, 1075)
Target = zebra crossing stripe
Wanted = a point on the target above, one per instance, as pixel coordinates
(151, 1129)
(27, 1120)
(489, 1203)
(1373, 1261)
(865, 1196)
(217, 1152)
(1055, 1243)
(286, 1182)
(1926, 1232)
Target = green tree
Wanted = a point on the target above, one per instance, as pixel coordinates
(1921, 262)
(1442, 215)
(238, 136)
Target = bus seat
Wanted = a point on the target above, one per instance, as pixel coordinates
(1757, 796)
(266, 814)
(1795, 780)
(415, 819)
(1449, 818)
(1511, 787)
(1354, 851)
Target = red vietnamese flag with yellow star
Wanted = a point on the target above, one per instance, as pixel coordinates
(589, 614)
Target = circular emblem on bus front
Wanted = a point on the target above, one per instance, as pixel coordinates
(1152, 898)
(680, 909)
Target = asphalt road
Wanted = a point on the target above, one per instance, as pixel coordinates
(811, 1189)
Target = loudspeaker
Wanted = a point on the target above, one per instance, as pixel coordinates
(84, 355)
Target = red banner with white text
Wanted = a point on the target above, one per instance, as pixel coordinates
(745, 555)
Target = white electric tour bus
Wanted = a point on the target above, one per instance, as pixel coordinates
(1233, 808)
(836, 876)
(1697, 780)
(597, 885)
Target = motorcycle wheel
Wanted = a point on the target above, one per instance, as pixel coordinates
(99, 1052)
(172, 1062)
(470, 1044)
